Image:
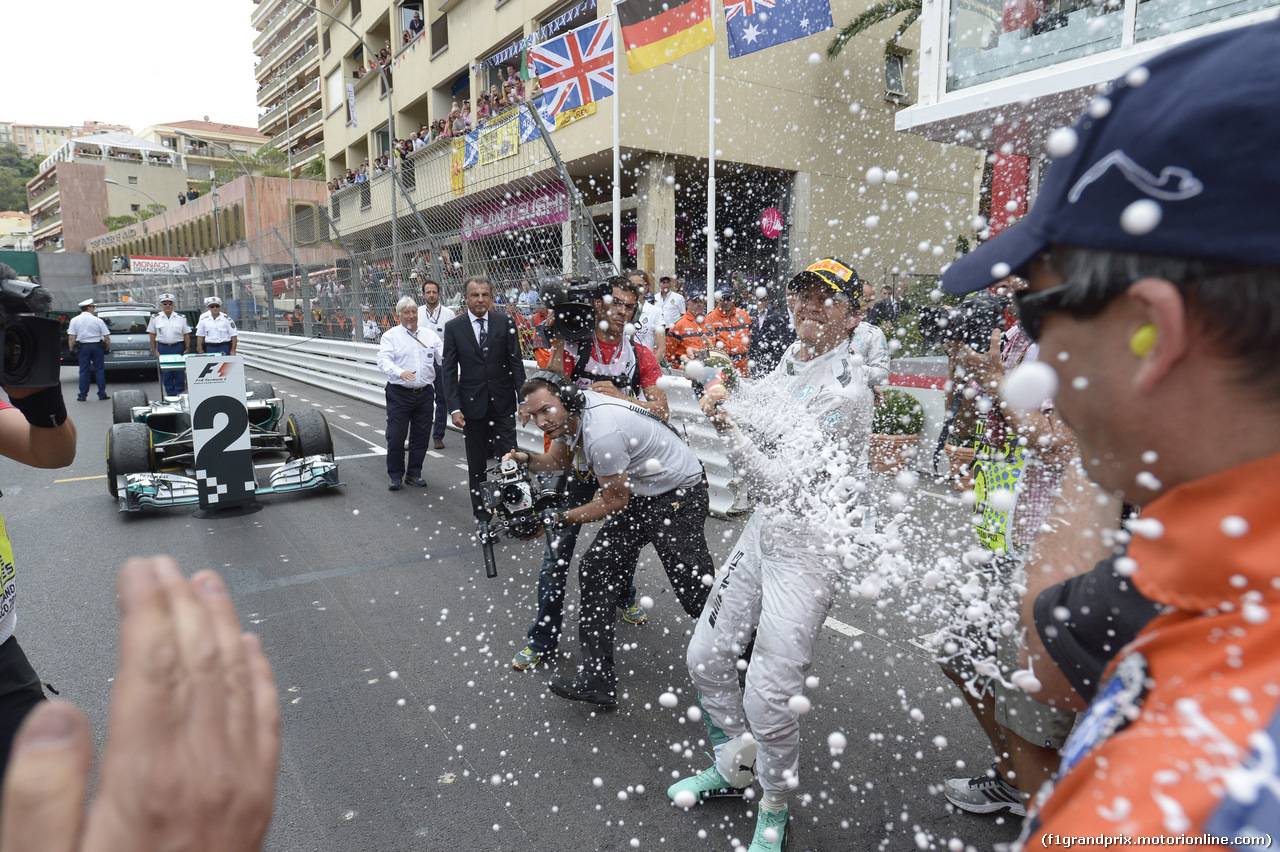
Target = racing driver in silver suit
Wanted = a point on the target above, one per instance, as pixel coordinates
(814, 412)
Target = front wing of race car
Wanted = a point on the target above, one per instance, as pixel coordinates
(140, 491)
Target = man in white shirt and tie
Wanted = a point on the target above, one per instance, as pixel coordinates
(170, 335)
(95, 341)
(409, 356)
(434, 315)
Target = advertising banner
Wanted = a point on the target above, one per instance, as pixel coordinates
(548, 205)
(499, 141)
(162, 265)
(457, 168)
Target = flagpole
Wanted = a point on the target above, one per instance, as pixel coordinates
(617, 155)
(711, 180)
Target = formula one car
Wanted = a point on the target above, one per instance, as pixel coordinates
(151, 449)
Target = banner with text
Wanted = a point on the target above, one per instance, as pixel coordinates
(163, 265)
(548, 205)
(499, 141)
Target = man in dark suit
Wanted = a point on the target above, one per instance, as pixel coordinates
(771, 334)
(483, 372)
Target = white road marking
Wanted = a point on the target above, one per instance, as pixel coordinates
(434, 454)
(841, 627)
(362, 424)
(928, 642)
(345, 416)
(358, 437)
(463, 466)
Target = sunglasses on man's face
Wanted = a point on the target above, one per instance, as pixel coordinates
(1031, 307)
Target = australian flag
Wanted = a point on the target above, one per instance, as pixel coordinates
(577, 68)
(757, 24)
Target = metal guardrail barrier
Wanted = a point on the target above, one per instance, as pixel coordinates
(351, 369)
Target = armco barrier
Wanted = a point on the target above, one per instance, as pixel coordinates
(351, 369)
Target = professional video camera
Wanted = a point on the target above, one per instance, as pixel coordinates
(516, 502)
(970, 322)
(572, 302)
(31, 345)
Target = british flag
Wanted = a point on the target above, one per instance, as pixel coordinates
(746, 7)
(576, 68)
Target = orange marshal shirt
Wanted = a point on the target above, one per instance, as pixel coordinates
(732, 333)
(1213, 677)
(684, 338)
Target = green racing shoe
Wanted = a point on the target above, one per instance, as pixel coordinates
(707, 784)
(771, 831)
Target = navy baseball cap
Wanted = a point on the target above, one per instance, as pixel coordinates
(1181, 158)
(696, 293)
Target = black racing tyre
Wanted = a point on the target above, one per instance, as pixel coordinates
(259, 389)
(128, 451)
(122, 401)
(309, 434)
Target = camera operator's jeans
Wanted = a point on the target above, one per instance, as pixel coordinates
(544, 635)
(673, 523)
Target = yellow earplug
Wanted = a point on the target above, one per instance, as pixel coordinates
(1143, 341)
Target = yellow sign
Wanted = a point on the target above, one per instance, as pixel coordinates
(569, 116)
(499, 141)
(457, 174)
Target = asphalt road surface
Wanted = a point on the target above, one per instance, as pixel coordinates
(405, 727)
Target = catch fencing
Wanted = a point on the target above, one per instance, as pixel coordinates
(498, 203)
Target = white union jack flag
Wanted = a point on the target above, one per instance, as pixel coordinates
(576, 68)
(747, 8)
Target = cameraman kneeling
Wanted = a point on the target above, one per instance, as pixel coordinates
(652, 491)
(35, 431)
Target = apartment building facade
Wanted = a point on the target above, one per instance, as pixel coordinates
(209, 147)
(288, 74)
(41, 140)
(1001, 75)
(70, 196)
(795, 138)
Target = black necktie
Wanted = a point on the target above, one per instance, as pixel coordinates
(484, 335)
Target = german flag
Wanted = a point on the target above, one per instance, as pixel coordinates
(658, 31)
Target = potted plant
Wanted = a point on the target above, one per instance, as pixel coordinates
(959, 453)
(895, 428)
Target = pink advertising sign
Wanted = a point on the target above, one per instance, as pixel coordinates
(547, 205)
(771, 222)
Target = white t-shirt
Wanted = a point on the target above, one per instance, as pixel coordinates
(616, 436)
(650, 320)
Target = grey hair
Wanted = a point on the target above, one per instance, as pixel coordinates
(1236, 305)
(405, 302)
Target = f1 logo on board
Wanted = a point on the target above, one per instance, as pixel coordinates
(222, 371)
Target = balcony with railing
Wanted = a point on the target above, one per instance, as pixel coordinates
(289, 40)
(42, 195)
(264, 13)
(47, 224)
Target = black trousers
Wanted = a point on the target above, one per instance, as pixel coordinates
(488, 437)
(408, 413)
(673, 523)
(20, 692)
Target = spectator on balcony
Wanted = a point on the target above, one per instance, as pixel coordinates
(483, 110)
(416, 26)
(405, 38)
(517, 84)
(182, 198)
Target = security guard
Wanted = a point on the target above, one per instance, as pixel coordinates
(170, 335)
(216, 332)
(95, 342)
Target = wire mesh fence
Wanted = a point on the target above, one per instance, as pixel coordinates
(497, 203)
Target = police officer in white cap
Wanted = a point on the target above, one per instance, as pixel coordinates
(216, 332)
(170, 335)
(95, 342)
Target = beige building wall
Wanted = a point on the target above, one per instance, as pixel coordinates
(827, 123)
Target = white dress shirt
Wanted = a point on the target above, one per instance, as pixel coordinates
(672, 306)
(370, 330)
(475, 324)
(403, 352)
(219, 330)
(88, 328)
(168, 329)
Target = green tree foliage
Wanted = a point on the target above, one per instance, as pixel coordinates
(314, 170)
(116, 222)
(870, 17)
(270, 161)
(14, 174)
(151, 210)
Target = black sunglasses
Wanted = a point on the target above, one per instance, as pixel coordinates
(1030, 308)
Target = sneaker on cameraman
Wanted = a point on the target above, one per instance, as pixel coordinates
(985, 794)
(526, 659)
(634, 614)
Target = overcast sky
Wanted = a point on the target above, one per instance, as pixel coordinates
(134, 62)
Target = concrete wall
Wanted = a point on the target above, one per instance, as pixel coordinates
(67, 277)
